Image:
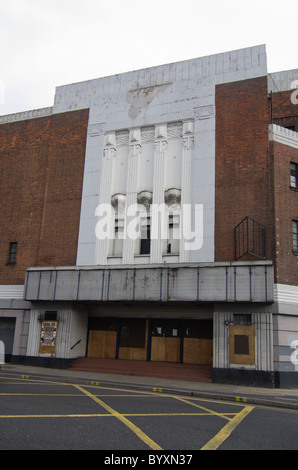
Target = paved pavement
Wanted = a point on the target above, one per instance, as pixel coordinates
(282, 398)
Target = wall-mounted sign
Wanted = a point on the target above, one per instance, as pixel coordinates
(48, 337)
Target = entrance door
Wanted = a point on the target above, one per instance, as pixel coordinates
(133, 339)
(198, 342)
(102, 338)
(165, 340)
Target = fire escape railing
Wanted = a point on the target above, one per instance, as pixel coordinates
(250, 239)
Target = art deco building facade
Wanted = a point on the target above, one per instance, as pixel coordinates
(152, 216)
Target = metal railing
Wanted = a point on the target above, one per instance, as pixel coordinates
(250, 239)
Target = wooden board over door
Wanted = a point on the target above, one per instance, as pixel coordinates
(242, 344)
(165, 340)
(102, 338)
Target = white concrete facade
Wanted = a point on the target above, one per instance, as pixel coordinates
(164, 116)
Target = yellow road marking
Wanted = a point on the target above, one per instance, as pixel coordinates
(221, 415)
(242, 399)
(56, 416)
(72, 395)
(226, 431)
(122, 418)
(106, 415)
(42, 394)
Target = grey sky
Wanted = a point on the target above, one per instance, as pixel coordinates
(46, 43)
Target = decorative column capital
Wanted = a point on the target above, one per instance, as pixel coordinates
(188, 136)
(161, 132)
(118, 202)
(145, 199)
(110, 145)
(135, 136)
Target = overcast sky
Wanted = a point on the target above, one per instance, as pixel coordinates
(47, 43)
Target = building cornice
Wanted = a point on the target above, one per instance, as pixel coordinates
(283, 136)
(25, 115)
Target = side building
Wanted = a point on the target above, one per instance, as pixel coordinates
(152, 216)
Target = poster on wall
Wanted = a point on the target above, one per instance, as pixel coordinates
(48, 337)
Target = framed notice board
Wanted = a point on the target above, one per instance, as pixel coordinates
(48, 337)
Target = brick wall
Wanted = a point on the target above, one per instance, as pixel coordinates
(242, 180)
(286, 209)
(284, 112)
(41, 171)
(61, 214)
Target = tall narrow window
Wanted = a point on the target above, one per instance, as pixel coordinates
(174, 234)
(294, 174)
(295, 234)
(118, 240)
(12, 252)
(144, 211)
(145, 240)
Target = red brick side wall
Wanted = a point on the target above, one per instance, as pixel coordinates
(286, 209)
(242, 179)
(284, 112)
(61, 215)
(41, 173)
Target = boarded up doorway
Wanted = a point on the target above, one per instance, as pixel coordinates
(102, 338)
(133, 339)
(242, 344)
(165, 340)
(198, 342)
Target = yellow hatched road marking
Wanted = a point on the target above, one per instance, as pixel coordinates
(226, 431)
(122, 418)
(221, 415)
(233, 418)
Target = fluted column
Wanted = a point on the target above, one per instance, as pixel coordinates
(158, 193)
(135, 147)
(188, 143)
(103, 243)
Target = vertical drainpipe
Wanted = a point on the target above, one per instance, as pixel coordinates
(26, 284)
(102, 285)
(78, 287)
(39, 282)
(56, 276)
(108, 292)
